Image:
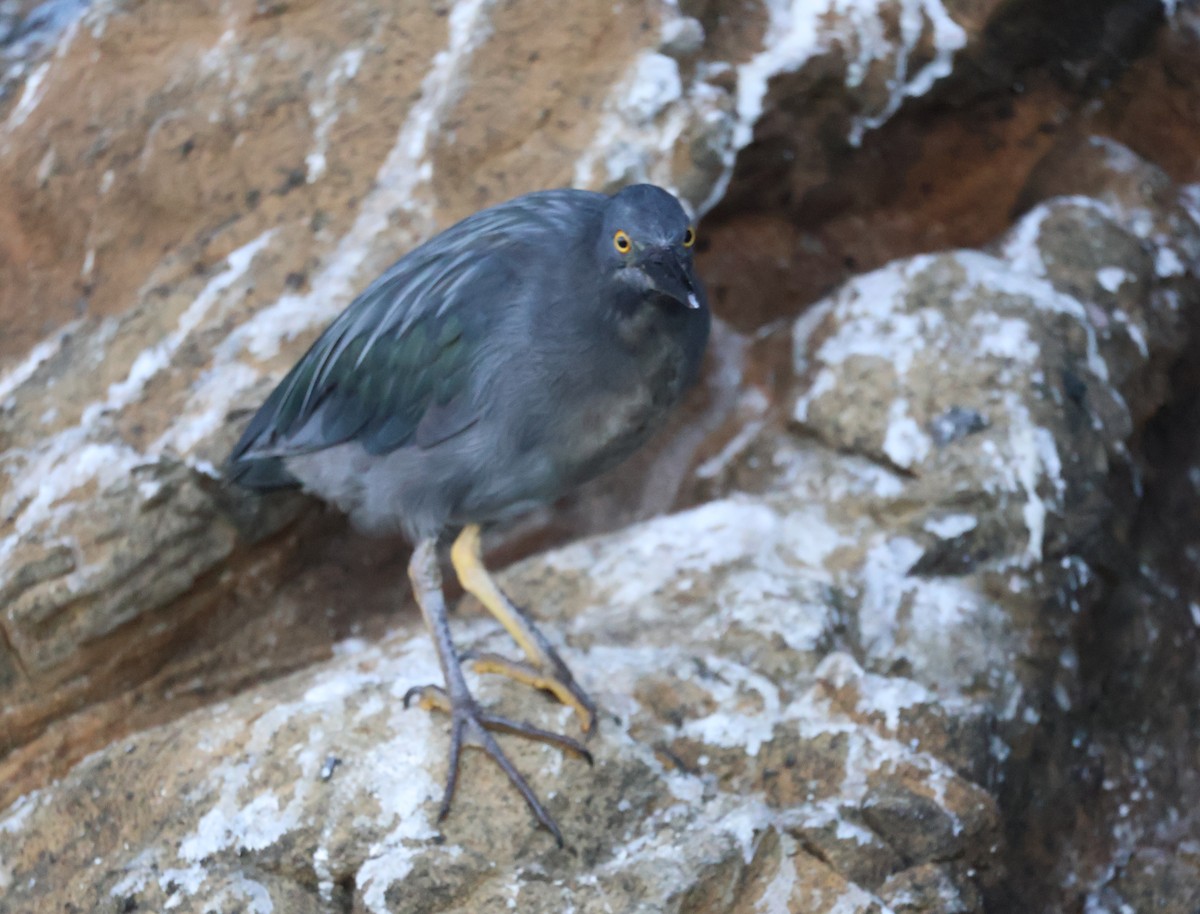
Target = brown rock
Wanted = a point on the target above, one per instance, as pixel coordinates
(812, 684)
(215, 208)
(914, 824)
(929, 888)
(1158, 881)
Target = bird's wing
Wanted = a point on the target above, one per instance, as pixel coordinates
(393, 368)
(401, 349)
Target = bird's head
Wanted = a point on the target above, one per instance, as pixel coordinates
(646, 242)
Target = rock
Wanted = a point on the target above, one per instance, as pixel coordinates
(682, 38)
(1154, 881)
(735, 728)
(246, 799)
(188, 226)
(935, 584)
(929, 887)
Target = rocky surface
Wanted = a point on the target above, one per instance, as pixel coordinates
(211, 216)
(809, 691)
(747, 762)
(936, 585)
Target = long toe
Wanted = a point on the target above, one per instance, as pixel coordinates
(471, 726)
(529, 731)
(492, 748)
(552, 677)
(434, 698)
(457, 737)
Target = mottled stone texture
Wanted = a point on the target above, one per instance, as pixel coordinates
(920, 635)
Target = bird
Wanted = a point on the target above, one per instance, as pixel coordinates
(524, 350)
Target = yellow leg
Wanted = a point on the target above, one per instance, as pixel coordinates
(545, 669)
(467, 557)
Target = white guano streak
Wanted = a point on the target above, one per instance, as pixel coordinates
(799, 30)
(399, 187)
(44, 474)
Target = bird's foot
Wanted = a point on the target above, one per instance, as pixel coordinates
(471, 727)
(553, 676)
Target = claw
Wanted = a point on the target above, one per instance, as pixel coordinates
(470, 728)
(429, 698)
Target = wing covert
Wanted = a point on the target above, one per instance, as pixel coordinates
(395, 366)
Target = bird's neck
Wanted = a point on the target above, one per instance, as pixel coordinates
(647, 319)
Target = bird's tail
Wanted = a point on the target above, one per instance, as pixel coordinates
(263, 474)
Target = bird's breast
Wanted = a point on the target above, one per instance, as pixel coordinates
(616, 400)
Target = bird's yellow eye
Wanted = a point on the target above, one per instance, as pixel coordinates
(621, 242)
(689, 237)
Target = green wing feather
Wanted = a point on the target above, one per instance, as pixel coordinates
(394, 368)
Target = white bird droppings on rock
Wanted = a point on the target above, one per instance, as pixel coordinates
(905, 442)
(1112, 278)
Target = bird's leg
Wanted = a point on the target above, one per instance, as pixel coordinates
(544, 669)
(470, 723)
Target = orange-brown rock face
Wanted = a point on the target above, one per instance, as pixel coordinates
(853, 673)
(208, 188)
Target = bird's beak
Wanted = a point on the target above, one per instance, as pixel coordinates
(671, 277)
